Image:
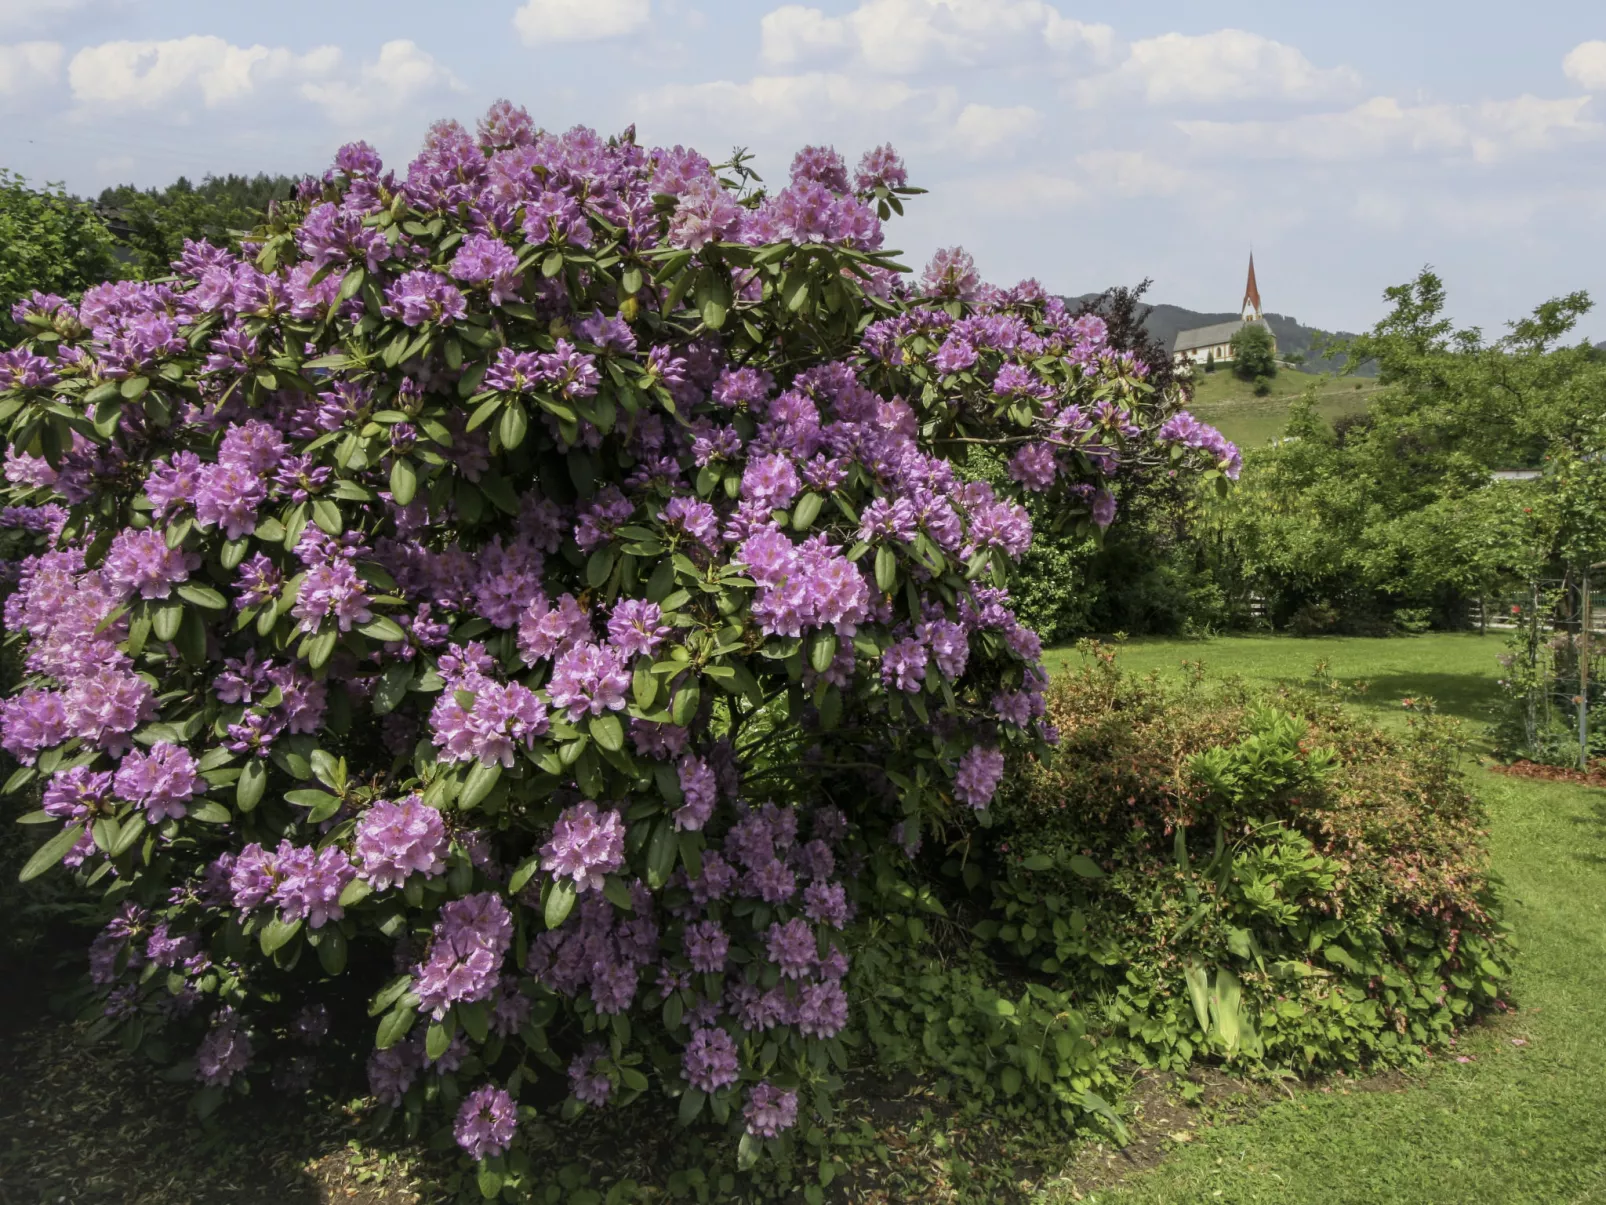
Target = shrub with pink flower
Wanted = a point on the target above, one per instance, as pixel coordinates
(525, 600)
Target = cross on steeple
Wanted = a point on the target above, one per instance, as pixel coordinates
(1251, 306)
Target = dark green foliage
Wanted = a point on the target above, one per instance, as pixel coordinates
(153, 224)
(1398, 509)
(49, 242)
(1207, 875)
(1254, 353)
(1147, 575)
(1126, 318)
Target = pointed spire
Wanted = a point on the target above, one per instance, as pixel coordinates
(1251, 306)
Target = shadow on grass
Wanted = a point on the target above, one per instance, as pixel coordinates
(92, 1125)
(1464, 696)
(1594, 825)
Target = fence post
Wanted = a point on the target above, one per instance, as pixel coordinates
(1584, 640)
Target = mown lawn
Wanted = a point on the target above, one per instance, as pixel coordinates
(1456, 670)
(1523, 1117)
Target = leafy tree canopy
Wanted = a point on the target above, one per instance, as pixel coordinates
(49, 241)
(154, 223)
(1254, 354)
(1402, 501)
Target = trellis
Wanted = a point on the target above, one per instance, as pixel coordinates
(1559, 663)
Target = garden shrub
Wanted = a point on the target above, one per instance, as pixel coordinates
(1212, 873)
(507, 627)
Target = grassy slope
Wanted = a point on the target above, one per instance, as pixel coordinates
(1525, 1119)
(1224, 401)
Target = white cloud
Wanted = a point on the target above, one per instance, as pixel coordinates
(29, 65)
(1586, 66)
(540, 22)
(173, 75)
(154, 74)
(1382, 127)
(1228, 65)
(402, 75)
(982, 129)
(804, 105)
(1127, 173)
(901, 37)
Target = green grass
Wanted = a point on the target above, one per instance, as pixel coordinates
(1457, 670)
(1525, 1119)
(1224, 401)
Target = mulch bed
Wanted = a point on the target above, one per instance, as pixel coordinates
(1595, 776)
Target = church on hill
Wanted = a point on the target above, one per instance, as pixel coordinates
(1214, 343)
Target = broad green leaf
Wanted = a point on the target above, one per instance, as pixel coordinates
(437, 1040)
(478, 783)
(202, 596)
(51, 852)
(514, 424)
(327, 516)
(886, 569)
(403, 480)
(522, 875)
(691, 1104)
(253, 782)
(393, 1028)
(332, 950)
(806, 511)
(392, 686)
(687, 697)
(165, 622)
(608, 732)
(277, 933)
(560, 900)
(381, 628)
(661, 853)
(598, 567)
(1198, 980)
(1084, 866)
(618, 894)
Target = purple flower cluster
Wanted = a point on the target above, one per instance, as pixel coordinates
(980, 771)
(481, 720)
(709, 1062)
(140, 562)
(485, 1122)
(395, 840)
(586, 845)
(305, 883)
(161, 781)
(769, 1110)
(465, 954)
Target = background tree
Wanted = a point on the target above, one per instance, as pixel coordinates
(49, 241)
(1400, 508)
(1254, 355)
(1126, 317)
(154, 223)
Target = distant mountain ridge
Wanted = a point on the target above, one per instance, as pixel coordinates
(1293, 337)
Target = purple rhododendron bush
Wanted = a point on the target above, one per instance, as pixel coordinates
(507, 629)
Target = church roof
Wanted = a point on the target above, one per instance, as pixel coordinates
(1252, 290)
(1207, 336)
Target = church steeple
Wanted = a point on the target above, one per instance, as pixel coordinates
(1251, 307)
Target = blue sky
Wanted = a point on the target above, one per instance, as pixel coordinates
(1082, 145)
